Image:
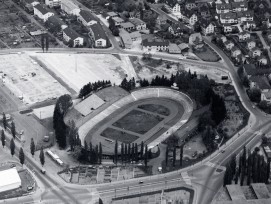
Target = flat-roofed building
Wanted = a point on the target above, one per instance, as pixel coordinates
(9, 180)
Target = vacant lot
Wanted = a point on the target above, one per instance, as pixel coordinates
(27, 79)
(137, 121)
(155, 108)
(207, 54)
(117, 135)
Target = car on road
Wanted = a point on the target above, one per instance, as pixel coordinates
(140, 182)
(253, 106)
(30, 188)
(12, 165)
(43, 171)
(195, 154)
(223, 150)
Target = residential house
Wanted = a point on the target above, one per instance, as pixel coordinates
(146, 14)
(189, 16)
(268, 22)
(239, 6)
(251, 70)
(204, 11)
(229, 45)
(255, 52)
(128, 26)
(42, 12)
(161, 19)
(53, 3)
(29, 4)
(118, 21)
(266, 96)
(139, 24)
(71, 35)
(86, 18)
(56, 23)
(251, 44)
(184, 47)
(69, 7)
(223, 8)
(174, 49)
(227, 28)
(243, 36)
(207, 27)
(135, 36)
(268, 35)
(247, 25)
(235, 51)
(259, 82)
(110, 14)
(125, 39)
(190, 4)
(195, 37)
(221, 37)
(175, 29)
(155, 45)
(228, 18)
(262, 60)
(173, 6)
(245, 16)
(98, 35)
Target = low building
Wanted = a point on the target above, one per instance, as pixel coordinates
(228, 18)
(53, 3)
(174, 49)
(139, 24)
(125, 39)
(190, 4)
(110, 14)
(98, 35)
(184, 47)
(175, 29)
(255, 52)
(86, 18)
(223, 8)
(189, 16)
(229, 45)
(118, 21)
(243, 36)
(70, 35)
(251, 44)
(239, 6)
(235, 51)
(195, 37)
(207, 27)
(173, 6)
(128, 26)
(161, 19)
(266, 96)
(262, 60)
(251, 70)
(29, 4)
(154, 45)
(42, 12)
(69, 7)
(10, 180)
(245, 16)
(135, 36)
(221, 37)
(259, 82)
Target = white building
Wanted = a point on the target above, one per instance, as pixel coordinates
(86, 18)
(139, 24)
(53, 3)
(42, 12)
(69, 7)
(69, 34)
(10, 180)
(98, 35)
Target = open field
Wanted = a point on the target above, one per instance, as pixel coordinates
(137, 121)
(155, 108)
(207, 54)
(78, 70)
(117, 135)
(27, 80)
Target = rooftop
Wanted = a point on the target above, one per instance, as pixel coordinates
(136, 21)
(127, 25)
(154, 42)
(9, 177)
(71, 33)
(98, 31)
(261, 81)
(42, 9)
(87, 16)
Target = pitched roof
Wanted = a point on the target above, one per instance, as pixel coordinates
(234, 48)
(87, 16)
(187, 13)
(135, 34)
(228, 42)
(244, 33)
(98, 31)
(136, 21)
(267, 94)
(229, 15)
(251, 70)
(31, 1)
(205, 23)
(248, 13)
(255, 49)
(171, 3)
(127, 25)
(71, 33)
(239, 4)
(190, 2)
(154, 42)
(261, 81)
(55, 21)
(223, 6)
(118, 19)
(125, 36)
(42, 9)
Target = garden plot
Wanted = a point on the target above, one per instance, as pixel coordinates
(27, 80)
(78, 70)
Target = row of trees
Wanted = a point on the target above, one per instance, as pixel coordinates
(88, 88)
(44, 42)
(252, 168)
(128, 85)
(174, 155)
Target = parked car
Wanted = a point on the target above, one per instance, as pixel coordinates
(195, 154)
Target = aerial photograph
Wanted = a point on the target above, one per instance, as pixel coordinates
(135, 101)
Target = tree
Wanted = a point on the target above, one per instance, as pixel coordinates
(13, 129)
(77, 152)
(167, 156)
(63, 103)
(3, 138)
(100, 153)
(174, 156)
(47, 43)
(12, 147)
(181, 156)
(129, 152)
(21, 156)
(42, 158)
(42, 42)
(32, 147)
(136, 152)
(141, 150)
(4, 121)
(146, 156)
(72, 135)
(122, 153)
(116, 153)
(254, 95)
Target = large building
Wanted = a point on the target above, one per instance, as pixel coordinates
(71, 35)
(9, 180)
(69, 7)
(98, 35)
(42, 12)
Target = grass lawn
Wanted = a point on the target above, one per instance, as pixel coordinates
(207, 54)
(155, 108)
(120, 136)
(137, 121)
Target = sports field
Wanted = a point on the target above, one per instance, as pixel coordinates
(27, 80)
(77, 70)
